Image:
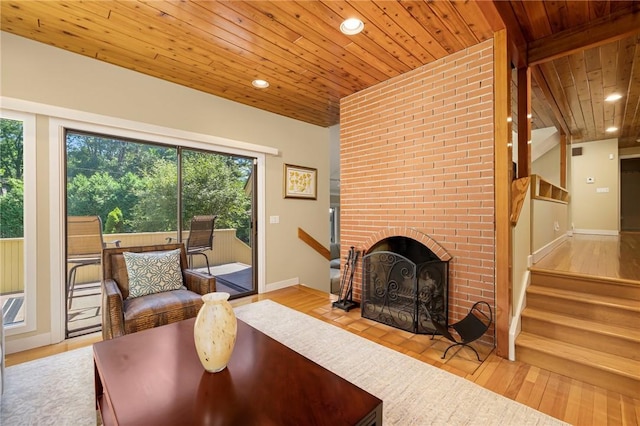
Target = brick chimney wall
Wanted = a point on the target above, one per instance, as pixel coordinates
(416, 157)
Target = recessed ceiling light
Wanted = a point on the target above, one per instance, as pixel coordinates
(351, 26)
(613, 97)
(612, 129)
(260, 84)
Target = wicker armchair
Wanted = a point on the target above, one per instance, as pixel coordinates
(122, 316)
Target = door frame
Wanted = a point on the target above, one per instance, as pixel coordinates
(620, 158)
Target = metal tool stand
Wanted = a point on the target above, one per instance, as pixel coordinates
(345, 295)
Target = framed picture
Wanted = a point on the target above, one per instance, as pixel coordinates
(300, 182)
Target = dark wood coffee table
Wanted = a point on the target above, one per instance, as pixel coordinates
(155, 377)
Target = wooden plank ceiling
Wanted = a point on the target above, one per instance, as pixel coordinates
(219, 47)
(579, 79)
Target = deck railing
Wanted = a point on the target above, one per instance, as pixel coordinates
(227, 248)
(12, 261)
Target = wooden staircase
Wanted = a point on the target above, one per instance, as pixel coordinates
(583, 327)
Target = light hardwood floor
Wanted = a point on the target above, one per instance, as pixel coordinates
(567, 399)
(606, 256)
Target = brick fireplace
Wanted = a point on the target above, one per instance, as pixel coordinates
(417, 156)
(405, 284)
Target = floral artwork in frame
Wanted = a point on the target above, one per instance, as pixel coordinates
(300, 182)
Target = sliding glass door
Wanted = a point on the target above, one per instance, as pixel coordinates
(221, 186)
(142, 193)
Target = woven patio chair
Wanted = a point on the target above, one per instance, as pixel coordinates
(84, 247)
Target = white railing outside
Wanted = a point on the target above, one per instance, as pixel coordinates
(227, 248)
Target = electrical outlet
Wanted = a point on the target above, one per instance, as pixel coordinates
(274, 219)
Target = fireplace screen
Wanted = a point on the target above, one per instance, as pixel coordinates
(405, 289)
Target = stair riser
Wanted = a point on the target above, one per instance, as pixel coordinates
(586, 338)
(594, 376)
(603, 288)
(607, 314)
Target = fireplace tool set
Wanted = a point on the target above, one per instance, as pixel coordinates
(345, 296)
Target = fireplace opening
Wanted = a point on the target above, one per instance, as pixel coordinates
(403, 284)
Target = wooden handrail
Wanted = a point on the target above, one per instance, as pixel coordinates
(314, 244)
(519, 188)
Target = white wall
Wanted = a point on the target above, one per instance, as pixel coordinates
(549, 225)
(35, 72)
(548, 166)
(593, 211)
(521, 234)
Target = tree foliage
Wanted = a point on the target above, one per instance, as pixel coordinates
(12, 209)
(214, 184)
(133, 187)
(11, 179)
(156, 208)
(115, 222)
(11, 149)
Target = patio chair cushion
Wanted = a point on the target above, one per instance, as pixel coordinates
(158, 309)
(153, 272)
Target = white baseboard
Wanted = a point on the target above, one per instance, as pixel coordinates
(25, 343)
(282, 284)
(597, 231)
(542, 252)
(516, 323)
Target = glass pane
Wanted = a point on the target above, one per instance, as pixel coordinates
(221, 186)
(12, 221)
(130, 189)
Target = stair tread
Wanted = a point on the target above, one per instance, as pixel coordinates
(628, 333)
(628, 304)
(596, 359)
(580, 276)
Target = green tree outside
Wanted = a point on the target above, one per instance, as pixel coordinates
(115, 222)
(12, 210)
(11, 179)
(134, 185)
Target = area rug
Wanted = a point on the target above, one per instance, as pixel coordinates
(59, 390)
(56, 390)
(413, 393)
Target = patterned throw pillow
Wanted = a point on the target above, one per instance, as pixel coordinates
(153, 272)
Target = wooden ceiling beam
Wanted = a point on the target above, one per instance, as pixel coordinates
(614, 27)
(536, 73)
(500, 15)
(524, 122)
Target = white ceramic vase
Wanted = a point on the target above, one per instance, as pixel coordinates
(215, 331)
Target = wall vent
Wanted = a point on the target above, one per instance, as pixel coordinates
(576, 151)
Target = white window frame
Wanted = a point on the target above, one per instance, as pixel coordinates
(30, 208)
